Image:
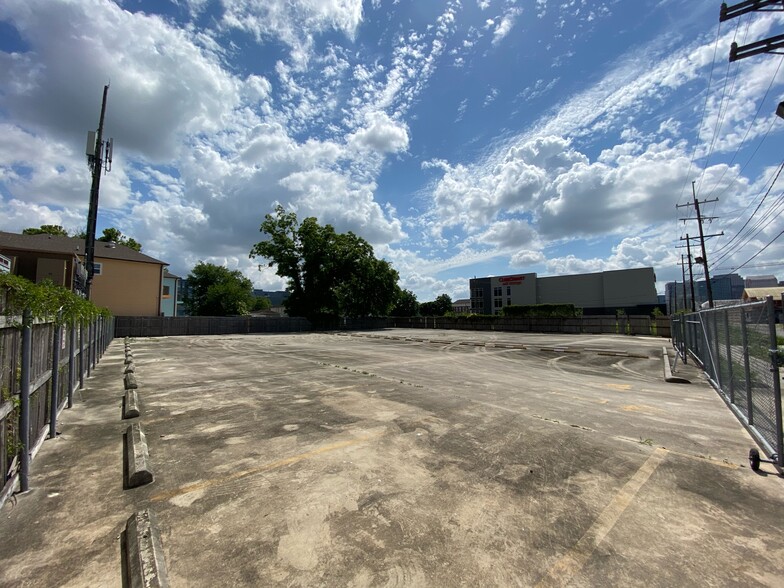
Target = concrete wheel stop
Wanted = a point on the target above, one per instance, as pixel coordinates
(131, 405)
(137, 458)
(130, 381)
(143, 564)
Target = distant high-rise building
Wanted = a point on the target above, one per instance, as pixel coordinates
(761, 282)
(724, 287)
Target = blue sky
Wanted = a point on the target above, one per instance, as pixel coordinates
(463, 138)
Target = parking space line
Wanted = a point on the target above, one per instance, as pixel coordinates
(196, 486)
(575, 559)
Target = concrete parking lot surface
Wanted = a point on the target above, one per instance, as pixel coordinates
(404, 458)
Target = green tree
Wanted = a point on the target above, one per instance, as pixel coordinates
(46, 230)
(329, 273)
(438, 307)
(218, 291)
(261, 303)
(114, 235)
(406, 304)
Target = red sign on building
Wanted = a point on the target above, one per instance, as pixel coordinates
(511, 280)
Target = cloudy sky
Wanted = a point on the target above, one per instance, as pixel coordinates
(461, 138)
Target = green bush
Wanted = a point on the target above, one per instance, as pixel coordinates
(46, 301)
(543, 311)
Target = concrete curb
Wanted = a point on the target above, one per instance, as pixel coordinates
(138, 457)
(131, 405)
(143, 561)
(668, 377)
(130, 381)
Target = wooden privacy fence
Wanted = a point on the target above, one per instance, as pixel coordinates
(164, 326)
(622, 325)
(42, 363)
(160, 326)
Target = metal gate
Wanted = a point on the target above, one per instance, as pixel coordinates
(737, 347)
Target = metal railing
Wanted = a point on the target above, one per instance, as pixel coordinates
(42, 364)
(737, 347)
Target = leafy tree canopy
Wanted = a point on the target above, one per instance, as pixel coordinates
(46, 230)
(329, 273)
(439, 307)
(112, 234)
(218, 291)
(261, 303)
(406, 304)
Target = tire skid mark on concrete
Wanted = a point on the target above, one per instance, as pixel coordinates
(570, 564)
(203, 484)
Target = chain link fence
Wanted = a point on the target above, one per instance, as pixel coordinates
(737, 347)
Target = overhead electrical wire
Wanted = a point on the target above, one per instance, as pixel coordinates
(772, 214)
(760, 251)
(704, 109)
(745, 136)
(738, 233)
(722, 112)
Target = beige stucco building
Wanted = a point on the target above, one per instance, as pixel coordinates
(631, 290)
(126, 282)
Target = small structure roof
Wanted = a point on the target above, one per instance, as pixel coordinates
(761, 293)
(44, 243)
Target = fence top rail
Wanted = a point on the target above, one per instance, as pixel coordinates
(745, 306)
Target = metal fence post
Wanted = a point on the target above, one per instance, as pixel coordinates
(71, 362)
(54, 400)
(81, 354)
(89, 346)
(24, 404)
(716, 349)
(774, 368)
(747, 368)
(684, 339)
(729, 355)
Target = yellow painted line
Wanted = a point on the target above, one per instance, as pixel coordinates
(722, 464)
(561, 573)
(640, 408)
(196, 486)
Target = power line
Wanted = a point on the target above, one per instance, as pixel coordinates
(745, 136)
(757, 228)
(704, 108)
(738, 234)
(721, 113)
(760, 251)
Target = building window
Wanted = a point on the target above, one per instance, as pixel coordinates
(97, 269)
(498, 291)
(508, 290)
(509, 302)
(166, 292)
(498, 303)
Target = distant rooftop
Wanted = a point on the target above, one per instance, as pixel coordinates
(64, 245)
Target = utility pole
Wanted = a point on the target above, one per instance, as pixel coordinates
(683, 275)
(691, 274)
(704, 258)
(770, 45)
(702, 245)
(96, 150)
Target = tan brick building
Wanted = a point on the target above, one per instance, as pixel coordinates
(126, 282)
